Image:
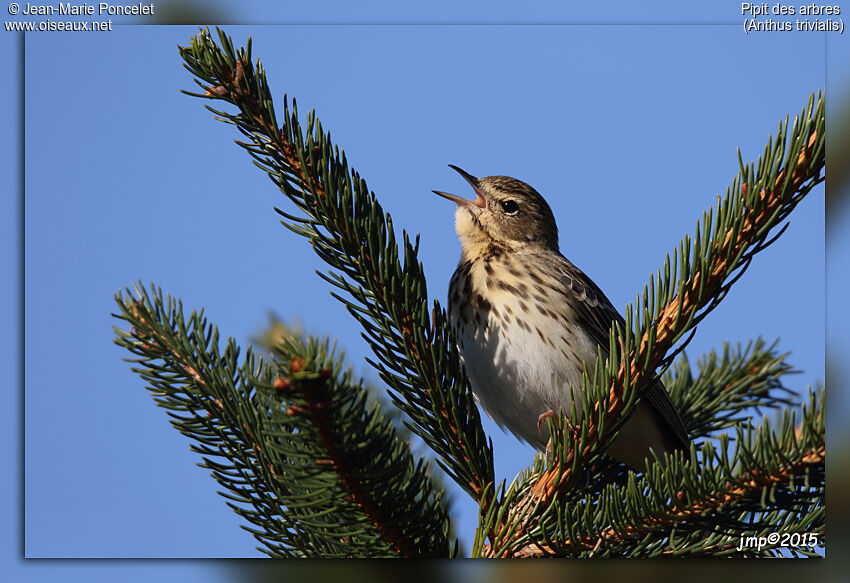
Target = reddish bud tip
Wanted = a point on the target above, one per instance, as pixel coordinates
(282, 384)
(295, 410)
(297, 364)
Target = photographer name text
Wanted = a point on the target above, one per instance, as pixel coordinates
(99, 9)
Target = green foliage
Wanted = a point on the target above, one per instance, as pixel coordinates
(758, 480)
(316, 467)
(319, 470)
(278, 332)
(384, 286)
(728, 386)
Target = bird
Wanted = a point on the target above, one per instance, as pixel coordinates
(527, 322)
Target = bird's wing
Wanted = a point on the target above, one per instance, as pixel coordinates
(596, 313)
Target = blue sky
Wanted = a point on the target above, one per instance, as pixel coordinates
(629, 131)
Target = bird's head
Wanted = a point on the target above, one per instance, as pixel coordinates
(505, 211)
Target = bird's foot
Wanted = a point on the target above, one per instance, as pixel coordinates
(540, 421)
(545, 417)
(552, 415)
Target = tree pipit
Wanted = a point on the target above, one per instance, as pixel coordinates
(528, 321)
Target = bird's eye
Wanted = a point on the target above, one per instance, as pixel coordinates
(510, 207)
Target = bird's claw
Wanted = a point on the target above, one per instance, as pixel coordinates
(545, 417)
(552, 415)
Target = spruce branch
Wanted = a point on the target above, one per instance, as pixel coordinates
(729, 386)
(304, 457)
(741, 225)
(383, 286)
(693, 507)
(278, 333)
(726, 388)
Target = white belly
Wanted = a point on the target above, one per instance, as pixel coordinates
(520, 365)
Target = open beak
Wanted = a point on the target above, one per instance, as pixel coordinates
(478, 202)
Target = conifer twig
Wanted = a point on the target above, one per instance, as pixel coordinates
(303, 455)
(384, 286)
(781, 469)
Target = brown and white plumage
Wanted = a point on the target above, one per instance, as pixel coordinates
(528, 321)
